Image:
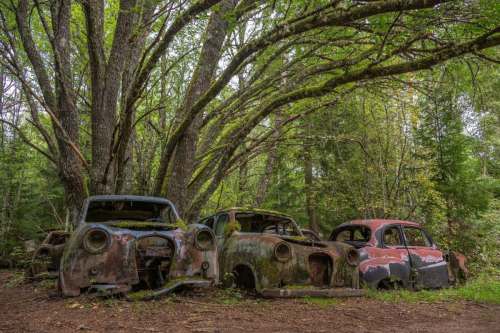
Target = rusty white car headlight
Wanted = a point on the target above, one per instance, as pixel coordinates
(96, 240)
(282, 252)
(352, 257)
(204, 240)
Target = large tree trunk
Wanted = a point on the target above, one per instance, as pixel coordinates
(124, 147)
(2, 128)
(102, 121)
(106, 79)
(70, 165)
(185, 152)
(60, 103)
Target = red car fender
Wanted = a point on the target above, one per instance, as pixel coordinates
(378, 266)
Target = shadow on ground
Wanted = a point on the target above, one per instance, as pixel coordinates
(29, 308)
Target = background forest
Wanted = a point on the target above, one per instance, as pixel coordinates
(325, 110)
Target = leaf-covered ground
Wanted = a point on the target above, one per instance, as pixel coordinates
(29, 308)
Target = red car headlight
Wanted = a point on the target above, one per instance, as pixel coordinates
(204, 240)
(282, 252)
(96, 241)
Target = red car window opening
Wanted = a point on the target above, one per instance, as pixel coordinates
(392, 237)
(361, 235)
(416, 237)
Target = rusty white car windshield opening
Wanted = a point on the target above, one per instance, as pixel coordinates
(269, 224)
(103, 211)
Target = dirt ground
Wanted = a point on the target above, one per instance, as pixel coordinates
(29, 308)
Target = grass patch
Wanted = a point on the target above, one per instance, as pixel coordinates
(229, 296)
(139, 295)
(321, 301)
(47, 284)
(108, 302)
(16, 279)
(483, 289)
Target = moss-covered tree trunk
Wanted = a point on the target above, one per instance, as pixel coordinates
(183, 161)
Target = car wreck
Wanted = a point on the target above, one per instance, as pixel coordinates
(395, 253)
(47, 257)
(126, 244)
(266, 252)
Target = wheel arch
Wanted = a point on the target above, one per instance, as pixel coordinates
(245, 276)
(372, 272)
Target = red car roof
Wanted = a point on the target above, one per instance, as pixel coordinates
(374, 224)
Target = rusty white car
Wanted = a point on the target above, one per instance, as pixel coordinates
(126, 244)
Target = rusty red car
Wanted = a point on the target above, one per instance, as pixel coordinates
(266, 252)
(127, 243)
(395, 253)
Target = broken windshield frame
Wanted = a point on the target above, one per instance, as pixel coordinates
(129, 210)
(269, 224)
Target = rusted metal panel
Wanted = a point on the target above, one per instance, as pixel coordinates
(310, 234)
(175, 285)
(457, 268)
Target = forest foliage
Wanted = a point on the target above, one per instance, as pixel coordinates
(326, 110)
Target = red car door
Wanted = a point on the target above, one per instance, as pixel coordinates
(426, 259)
(387, 263)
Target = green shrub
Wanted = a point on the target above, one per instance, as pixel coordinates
(483, 289)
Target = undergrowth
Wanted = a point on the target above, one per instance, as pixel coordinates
(229, 296)
(321, 301)
(16, 279)
(483, 289)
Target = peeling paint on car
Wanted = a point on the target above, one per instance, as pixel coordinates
(391, 265)
(265, 251)
(125, 255)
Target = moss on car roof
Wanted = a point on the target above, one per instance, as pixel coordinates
(255, 210)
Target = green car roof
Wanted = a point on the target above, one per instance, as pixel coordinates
(255, 210)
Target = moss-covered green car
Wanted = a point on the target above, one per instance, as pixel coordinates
(265, 251)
